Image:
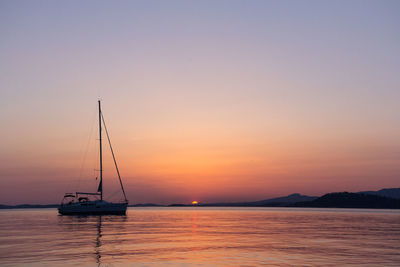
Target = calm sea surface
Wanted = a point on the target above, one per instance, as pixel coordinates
(202, 237)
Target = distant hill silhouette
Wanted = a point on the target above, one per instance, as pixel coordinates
(370, 199)
(293, 198)
(178, 205)
(271, 202)
(387, 192)
(28, 206)
(388, 198)
(352, 200)
(146, 205)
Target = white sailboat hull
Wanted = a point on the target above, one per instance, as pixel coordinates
(93, 208)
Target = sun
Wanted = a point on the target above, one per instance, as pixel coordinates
(195, 202)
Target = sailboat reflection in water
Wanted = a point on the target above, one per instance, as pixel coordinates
(98, 242)
(83, 203)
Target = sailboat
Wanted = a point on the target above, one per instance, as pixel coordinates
(84, 203)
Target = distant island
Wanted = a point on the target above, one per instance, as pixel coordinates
(388, 198)
(28, 206)
(351, 200)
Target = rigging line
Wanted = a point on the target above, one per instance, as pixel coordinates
(86, 151)
(112, 152)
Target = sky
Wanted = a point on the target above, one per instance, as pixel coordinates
(204, 100)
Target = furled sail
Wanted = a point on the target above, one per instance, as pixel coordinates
(100, 188)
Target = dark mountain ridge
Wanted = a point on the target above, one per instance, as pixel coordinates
(351, 200)
(386, 192)
(28, 206)
(271, 202)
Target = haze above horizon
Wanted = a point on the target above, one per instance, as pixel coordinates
(209, 101)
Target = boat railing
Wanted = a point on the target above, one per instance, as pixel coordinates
(83, 193)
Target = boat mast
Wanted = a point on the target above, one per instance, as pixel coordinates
(101, 157)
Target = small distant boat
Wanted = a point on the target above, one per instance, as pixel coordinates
(83, 203)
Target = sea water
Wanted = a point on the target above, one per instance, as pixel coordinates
(199, 236)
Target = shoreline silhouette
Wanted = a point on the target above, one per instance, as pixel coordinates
(388, 198)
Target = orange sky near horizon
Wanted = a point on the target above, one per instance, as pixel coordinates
(191, 164)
